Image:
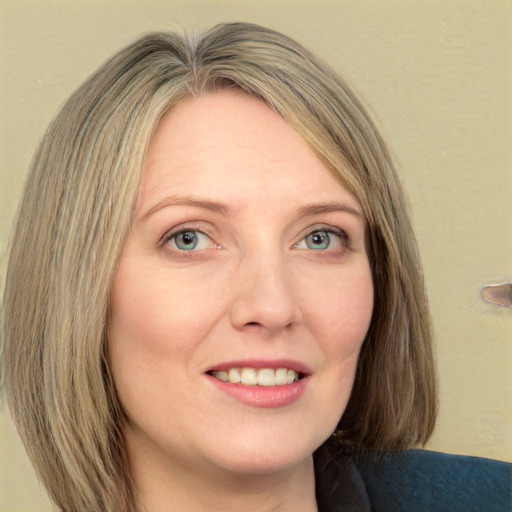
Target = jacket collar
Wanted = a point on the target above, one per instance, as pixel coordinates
(339, 485)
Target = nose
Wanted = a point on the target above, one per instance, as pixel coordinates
(264, 296)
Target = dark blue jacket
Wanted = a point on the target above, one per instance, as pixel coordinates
(410, 481)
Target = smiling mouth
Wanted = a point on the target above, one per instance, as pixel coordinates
(264, 377)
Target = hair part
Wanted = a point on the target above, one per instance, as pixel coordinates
(75, 214)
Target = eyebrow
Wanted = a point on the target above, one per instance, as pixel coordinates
(338, 206)
(198, 202)
(227, 211)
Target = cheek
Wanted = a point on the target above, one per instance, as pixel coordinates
(342, 321)
(139, 325)
(157, 325)
(338, 316)
(157, 314)
(341, 315)
(143, 335)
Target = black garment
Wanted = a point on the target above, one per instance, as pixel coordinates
(409, 481)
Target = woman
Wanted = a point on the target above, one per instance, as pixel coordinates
(213, 270)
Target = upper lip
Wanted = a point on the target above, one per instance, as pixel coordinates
(297, 366)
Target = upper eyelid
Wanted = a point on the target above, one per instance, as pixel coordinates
(329, 228)
(333, 231)
(173, 233)
(338, 232)
(180, 228)
(192, 226)
(206, 229)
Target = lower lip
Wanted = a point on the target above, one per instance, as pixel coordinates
(261, 396)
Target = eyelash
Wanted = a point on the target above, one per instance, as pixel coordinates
(339, 234)
(172, 235)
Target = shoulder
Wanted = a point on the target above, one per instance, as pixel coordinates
(419, 480)
(436, 481)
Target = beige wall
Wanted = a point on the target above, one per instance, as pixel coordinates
(438, 78)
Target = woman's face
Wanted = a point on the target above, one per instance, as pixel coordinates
(246, 260)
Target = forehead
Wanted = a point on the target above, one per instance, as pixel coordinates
(233, 146)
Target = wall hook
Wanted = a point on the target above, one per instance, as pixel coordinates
(498, 294)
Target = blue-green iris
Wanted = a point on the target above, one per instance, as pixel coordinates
(318, 240)
(186, 240)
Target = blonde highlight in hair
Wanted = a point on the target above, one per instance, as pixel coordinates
(75, 214)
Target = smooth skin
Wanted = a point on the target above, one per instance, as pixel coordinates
(243, 247)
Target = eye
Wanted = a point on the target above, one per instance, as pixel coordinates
(323, 239)
(189, 240)
(318, 240)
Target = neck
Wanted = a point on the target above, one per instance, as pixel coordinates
(168, 488)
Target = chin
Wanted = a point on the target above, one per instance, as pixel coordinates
(261, 455)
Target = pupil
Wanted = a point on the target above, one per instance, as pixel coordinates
(318, 240)
(188, 239)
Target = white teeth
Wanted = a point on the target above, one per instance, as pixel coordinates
(248, 377)
(281, 374)
(265, 377)
(234, 375)
(222, 376)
